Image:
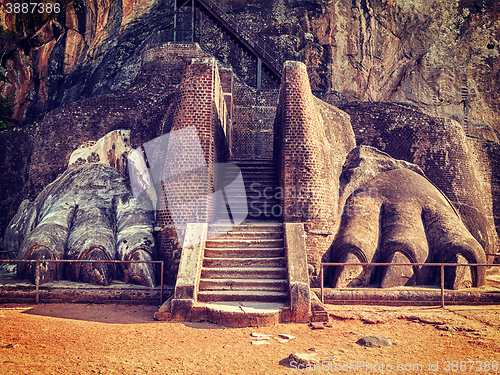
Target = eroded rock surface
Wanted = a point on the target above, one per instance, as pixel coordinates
(442, 56)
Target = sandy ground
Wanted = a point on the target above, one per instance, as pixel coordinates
(124, 339)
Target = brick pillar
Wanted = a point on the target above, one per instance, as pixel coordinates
(312, 139)
(194, 119)
(304, 170)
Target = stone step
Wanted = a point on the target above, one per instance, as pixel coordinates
(257, 183)
(241, 202)
(244, 262)
(264, 214)
(213, 244)
(243, 295)
(268, 172)
(253, 188)
(240, 314)
(244, 273)
(253, 205)
(252, 195)
(248, 199)
(256, 215)
(255, 177)
(240, 162)
(244, 235)
(257, 227)
(245, 253)
(260, 166)
(269, 211)
(257, 194)
(275, 285)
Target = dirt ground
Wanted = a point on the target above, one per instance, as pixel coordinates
(124, 339)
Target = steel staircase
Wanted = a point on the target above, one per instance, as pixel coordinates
(227, 21)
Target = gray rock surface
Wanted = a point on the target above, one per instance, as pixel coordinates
(303, 359)
(376, 341)
(442, 58)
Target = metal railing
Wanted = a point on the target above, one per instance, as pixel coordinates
(441, 265)
(37, 270)
(253, 39)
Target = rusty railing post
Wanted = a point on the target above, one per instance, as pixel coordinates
(37, 282)
(442, 285)
(161, 284)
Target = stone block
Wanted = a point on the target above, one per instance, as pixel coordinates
(181, 309)
(300, 300)
(298, 276)
(191, 261)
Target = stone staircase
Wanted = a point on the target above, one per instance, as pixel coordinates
(261, 185)
(247, 264)
(253, 275)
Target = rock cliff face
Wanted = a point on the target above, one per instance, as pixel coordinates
(442, 56)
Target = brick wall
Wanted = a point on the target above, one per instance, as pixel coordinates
(253, 122)
(312, 139)
(486, 159)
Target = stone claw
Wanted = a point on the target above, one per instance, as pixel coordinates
(350, 275)
(95, 273)
(140, 273)
(397, 275)
(48, 271)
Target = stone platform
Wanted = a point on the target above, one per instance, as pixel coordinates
(234, 314)
(13, 290)
(416, 295)
(409, 296)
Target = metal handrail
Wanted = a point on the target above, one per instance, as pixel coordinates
(251, 37)
(441, 265)
(38, 261)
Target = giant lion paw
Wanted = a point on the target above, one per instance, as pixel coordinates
(88, 213)
(399, 216)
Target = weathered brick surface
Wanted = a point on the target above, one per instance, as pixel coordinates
(201, 102)
(486, 159)
(194, 107)
(253, 122)
(312, 139)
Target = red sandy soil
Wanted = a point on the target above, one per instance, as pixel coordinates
(124, 339)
